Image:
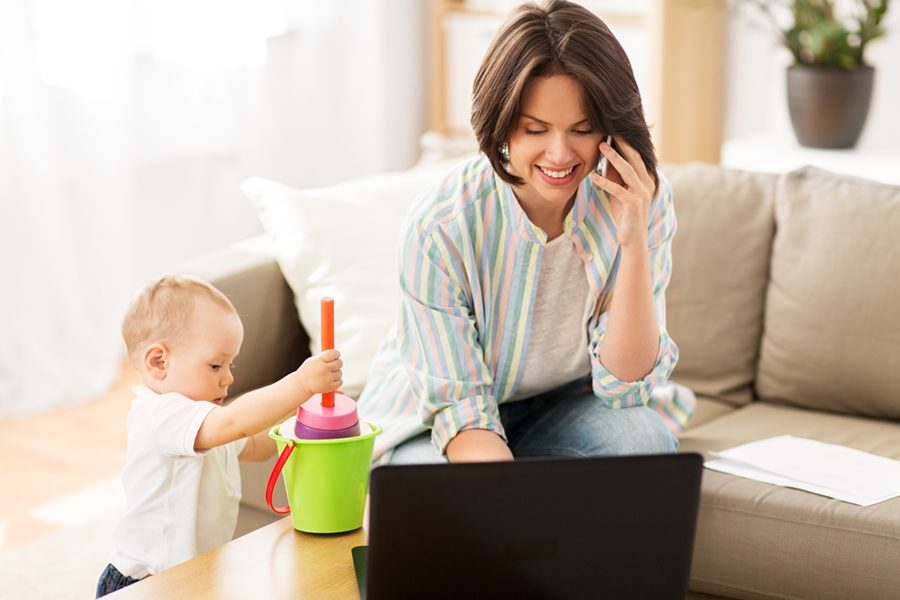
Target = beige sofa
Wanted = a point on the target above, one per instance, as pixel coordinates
(785, 302)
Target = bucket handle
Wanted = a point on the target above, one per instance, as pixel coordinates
(273, 477)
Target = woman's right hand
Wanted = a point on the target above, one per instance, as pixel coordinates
(321, 373)
(477, 445)
(631, 189)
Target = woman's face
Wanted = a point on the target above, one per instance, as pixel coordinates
(553, 147)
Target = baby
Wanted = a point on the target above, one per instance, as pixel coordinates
(181, 479)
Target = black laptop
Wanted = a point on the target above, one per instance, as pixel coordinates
(620, 527)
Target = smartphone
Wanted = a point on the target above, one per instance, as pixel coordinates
(603, 164)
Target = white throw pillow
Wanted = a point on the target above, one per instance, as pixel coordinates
(342, 242)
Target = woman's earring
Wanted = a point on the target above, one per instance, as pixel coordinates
(504, 152)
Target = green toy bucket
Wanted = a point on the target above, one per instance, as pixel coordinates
(326, 480)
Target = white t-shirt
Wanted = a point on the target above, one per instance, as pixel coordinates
(557, 350)
(178, 502)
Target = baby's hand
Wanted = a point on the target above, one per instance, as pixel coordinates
(322, 372)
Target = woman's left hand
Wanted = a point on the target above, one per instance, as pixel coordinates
(630, 188)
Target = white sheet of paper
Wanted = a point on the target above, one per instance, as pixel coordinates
(827, 469)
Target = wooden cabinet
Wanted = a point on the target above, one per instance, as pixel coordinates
(676, 48)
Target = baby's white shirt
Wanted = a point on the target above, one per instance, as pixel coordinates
(178, 502)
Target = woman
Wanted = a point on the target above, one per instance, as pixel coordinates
(533, 289)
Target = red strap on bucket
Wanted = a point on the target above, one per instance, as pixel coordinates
(273, 477)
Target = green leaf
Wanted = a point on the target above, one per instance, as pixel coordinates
(815, 33)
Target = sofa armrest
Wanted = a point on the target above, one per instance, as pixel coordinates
(275, 342)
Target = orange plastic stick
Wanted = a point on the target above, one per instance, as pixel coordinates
(327, 339)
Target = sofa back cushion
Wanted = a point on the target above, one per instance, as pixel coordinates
(720, 262)
(832, 328)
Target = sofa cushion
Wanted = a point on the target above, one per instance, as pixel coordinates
(341, 241)
(756, 540)
(832, 332)
(708, 409)
(720, 258)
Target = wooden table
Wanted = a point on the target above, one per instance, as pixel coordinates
(271, 563)
(274, 562)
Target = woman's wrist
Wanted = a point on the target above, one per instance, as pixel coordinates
(633, 230)
(636, 248)
(637, 242)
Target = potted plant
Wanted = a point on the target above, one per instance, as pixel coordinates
(829, 85)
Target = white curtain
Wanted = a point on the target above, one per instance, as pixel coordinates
(126, 128)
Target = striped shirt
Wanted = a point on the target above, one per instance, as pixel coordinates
(469, 267)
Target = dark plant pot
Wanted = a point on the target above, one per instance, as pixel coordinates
(829, 106)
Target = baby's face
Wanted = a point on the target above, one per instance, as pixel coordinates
(199, 365)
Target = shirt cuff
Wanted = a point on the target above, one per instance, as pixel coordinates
(479, 412)
(617, 393)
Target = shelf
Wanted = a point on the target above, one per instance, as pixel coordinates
(780, 153)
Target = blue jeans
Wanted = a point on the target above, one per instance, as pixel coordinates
(566, 421)
(112, 580)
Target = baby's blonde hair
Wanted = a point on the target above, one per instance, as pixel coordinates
(163, 309)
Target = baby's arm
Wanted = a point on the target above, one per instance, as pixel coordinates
(259, 446)
(256, 411)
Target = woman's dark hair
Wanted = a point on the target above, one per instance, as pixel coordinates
(557, 38)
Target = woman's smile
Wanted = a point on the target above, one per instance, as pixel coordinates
(557, 175)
